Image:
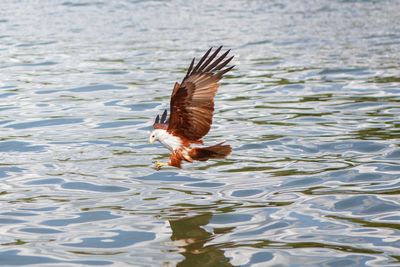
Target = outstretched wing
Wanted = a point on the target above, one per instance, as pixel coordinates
(192, 101)
(161, 123)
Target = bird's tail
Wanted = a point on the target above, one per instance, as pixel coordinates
(217, 151)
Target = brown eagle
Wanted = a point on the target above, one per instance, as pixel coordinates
(192, 107)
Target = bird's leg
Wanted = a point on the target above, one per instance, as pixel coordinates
(174, 160)
(158, 165)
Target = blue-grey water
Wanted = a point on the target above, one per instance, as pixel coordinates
(312, 111)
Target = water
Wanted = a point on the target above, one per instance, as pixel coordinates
(312, 112)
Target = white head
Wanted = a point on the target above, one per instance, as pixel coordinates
(154, 135)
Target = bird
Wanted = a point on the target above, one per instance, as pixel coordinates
(191, 112)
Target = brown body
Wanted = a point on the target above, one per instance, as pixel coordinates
(218, 151)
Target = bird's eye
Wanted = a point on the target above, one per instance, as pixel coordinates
(153, 136)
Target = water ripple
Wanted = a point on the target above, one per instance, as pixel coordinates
(311, 111)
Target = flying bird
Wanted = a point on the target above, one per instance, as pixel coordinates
(191, 108)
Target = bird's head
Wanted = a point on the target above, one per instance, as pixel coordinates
(154, 136)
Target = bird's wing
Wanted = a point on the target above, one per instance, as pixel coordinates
(161, 123)
(192, 101)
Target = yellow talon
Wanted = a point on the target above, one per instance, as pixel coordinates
(159, 164)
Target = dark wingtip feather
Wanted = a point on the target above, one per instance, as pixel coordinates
(210, 59)
(189, 69)
(214, 66)
(157, 119)
(164, 116)
(222, 72)
(202, 60)
(223, 64)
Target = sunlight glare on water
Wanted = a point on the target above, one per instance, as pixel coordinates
(311, 111)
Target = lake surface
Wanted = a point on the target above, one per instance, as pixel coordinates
(312, 112)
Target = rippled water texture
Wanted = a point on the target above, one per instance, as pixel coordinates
(311, 110)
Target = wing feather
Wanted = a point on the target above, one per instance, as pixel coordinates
(211, 58)
(217, 61)
(192, 101)
(201, 60)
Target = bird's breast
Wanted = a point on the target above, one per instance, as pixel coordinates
(170, 141)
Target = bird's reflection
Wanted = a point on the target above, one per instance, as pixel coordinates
(189, 236)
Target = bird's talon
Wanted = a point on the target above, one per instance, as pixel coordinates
(158, 165)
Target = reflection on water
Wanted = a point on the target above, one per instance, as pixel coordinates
(189, 236)
(312, 112)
